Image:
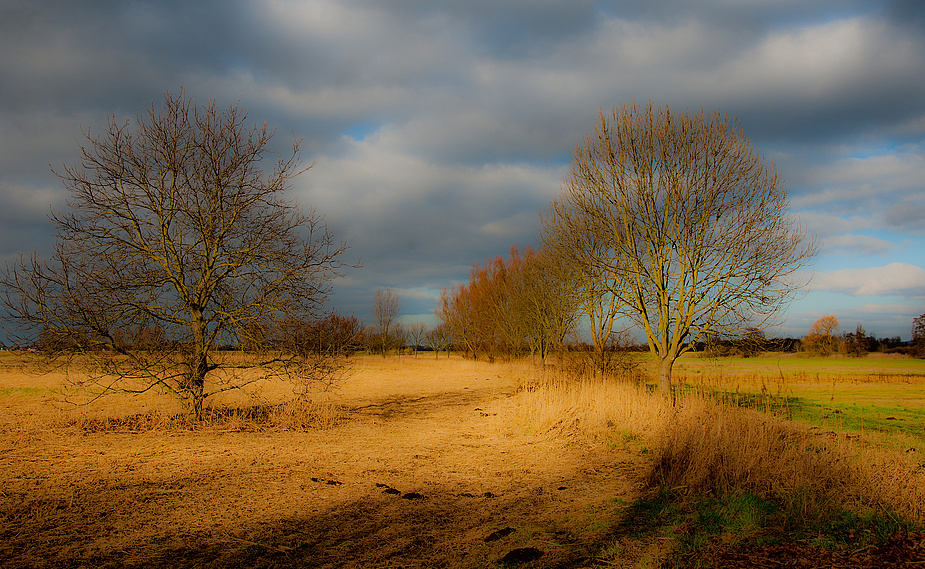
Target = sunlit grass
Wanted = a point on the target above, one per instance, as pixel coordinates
(878, 396)
(731, 465)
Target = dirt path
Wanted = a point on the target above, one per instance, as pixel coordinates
(424, 472)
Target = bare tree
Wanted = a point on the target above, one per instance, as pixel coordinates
(697, 235)
(175, 240)
(417, 332)
(385, 312)
(545, 299)
(440, 337)
(510, 305)
(918, 336)
(398, 338)
(579, 248)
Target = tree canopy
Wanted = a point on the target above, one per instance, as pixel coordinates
(688, 228)
(178, 237)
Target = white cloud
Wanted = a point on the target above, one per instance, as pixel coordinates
(892, 309)
(878, 177)
(818, 62)
(854, 244)
(824, 224)
(420, 223)
(894, 279)
(906, 216)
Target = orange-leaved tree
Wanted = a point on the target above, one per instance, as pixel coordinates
(822, 338)
(510, 305)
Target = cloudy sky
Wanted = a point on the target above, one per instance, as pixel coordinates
(439, 129)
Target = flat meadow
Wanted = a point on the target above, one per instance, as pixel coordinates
(446, 462)
(876, 394)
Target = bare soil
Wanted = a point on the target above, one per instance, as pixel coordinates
(429, 466)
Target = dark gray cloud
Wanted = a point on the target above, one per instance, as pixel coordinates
(439, 129)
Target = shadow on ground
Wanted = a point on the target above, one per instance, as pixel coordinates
(386, 528)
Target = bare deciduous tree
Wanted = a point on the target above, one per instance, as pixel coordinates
(440, 337)
(918, 335)
(579, 248)
(509, 305)
(695, 230)
(417, 332)
(175, 241)
(398, 338)
(385, 312)
(546, 299)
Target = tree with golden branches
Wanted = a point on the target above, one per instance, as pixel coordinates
(692, 229)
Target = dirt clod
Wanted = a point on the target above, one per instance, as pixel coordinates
(521, 555)
(496, 535)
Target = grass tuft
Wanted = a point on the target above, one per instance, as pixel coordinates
(296, 415)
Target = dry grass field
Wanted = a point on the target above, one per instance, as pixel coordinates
(419, 463)
(423, 462)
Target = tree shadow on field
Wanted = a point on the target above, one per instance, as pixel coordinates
(232, 506)
(439, 527)
(432, 531)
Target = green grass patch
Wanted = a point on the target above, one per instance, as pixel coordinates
(24, 391)
(695, 523)
(772, 365)
(862, 395)
(849, 412)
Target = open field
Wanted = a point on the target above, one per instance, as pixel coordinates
(423, 462)
(877, 395)
(442, 434)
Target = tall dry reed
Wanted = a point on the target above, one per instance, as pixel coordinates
(707, 447)
(557, 403)
(710, 447)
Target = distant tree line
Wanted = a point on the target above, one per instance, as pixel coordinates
(825, 338)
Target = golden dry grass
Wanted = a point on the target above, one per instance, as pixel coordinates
(703, 446)
(473, 447)
(706, 447)
(445, 430)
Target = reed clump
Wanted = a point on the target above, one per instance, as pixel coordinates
(702, 446)
(707, 447)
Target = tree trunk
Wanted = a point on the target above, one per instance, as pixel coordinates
(198, 367)
(664, 376)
